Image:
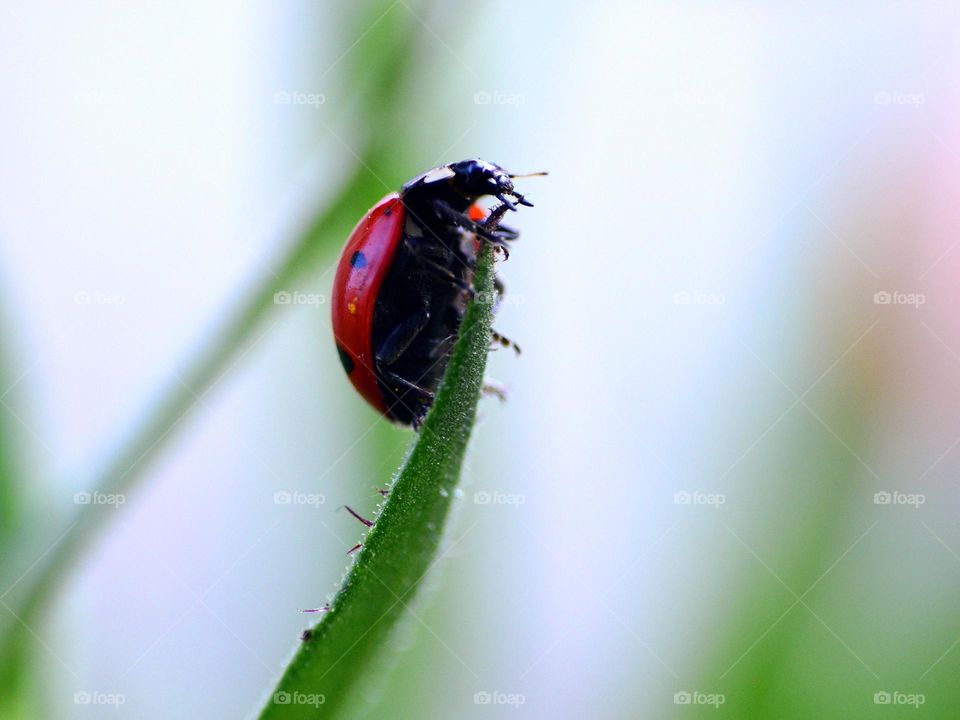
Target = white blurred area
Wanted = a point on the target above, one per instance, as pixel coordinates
(695, 152)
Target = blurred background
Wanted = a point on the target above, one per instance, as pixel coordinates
(724, 484)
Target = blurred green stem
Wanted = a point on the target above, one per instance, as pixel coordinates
(148, 440)
(387, 54)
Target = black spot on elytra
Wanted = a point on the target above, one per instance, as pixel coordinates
(359, 260)
(345, 359)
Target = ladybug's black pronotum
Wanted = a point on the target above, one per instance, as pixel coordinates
(405, 277)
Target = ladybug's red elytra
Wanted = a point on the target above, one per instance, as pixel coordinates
(405, 277)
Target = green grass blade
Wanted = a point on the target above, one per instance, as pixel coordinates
(386, 60)
(401, 547)
(13, 675)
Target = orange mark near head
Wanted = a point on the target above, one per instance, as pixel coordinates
(477, 212)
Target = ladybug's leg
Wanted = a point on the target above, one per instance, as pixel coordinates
(487, 230)
(505, 341)
(507, 233)
(396, 344)
(406, 383)
(491, 387)
(443, 272)
(500, 287)
(492, 223)
(401, 336)
(443, 347)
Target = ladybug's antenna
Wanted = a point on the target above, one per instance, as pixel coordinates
(533, 174)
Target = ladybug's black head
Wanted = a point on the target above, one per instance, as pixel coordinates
(475, 178)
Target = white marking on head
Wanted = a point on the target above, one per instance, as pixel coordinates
(441, 173)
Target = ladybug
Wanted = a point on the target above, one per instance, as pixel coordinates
(405, 278)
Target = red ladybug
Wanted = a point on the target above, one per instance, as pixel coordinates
(404, 280)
